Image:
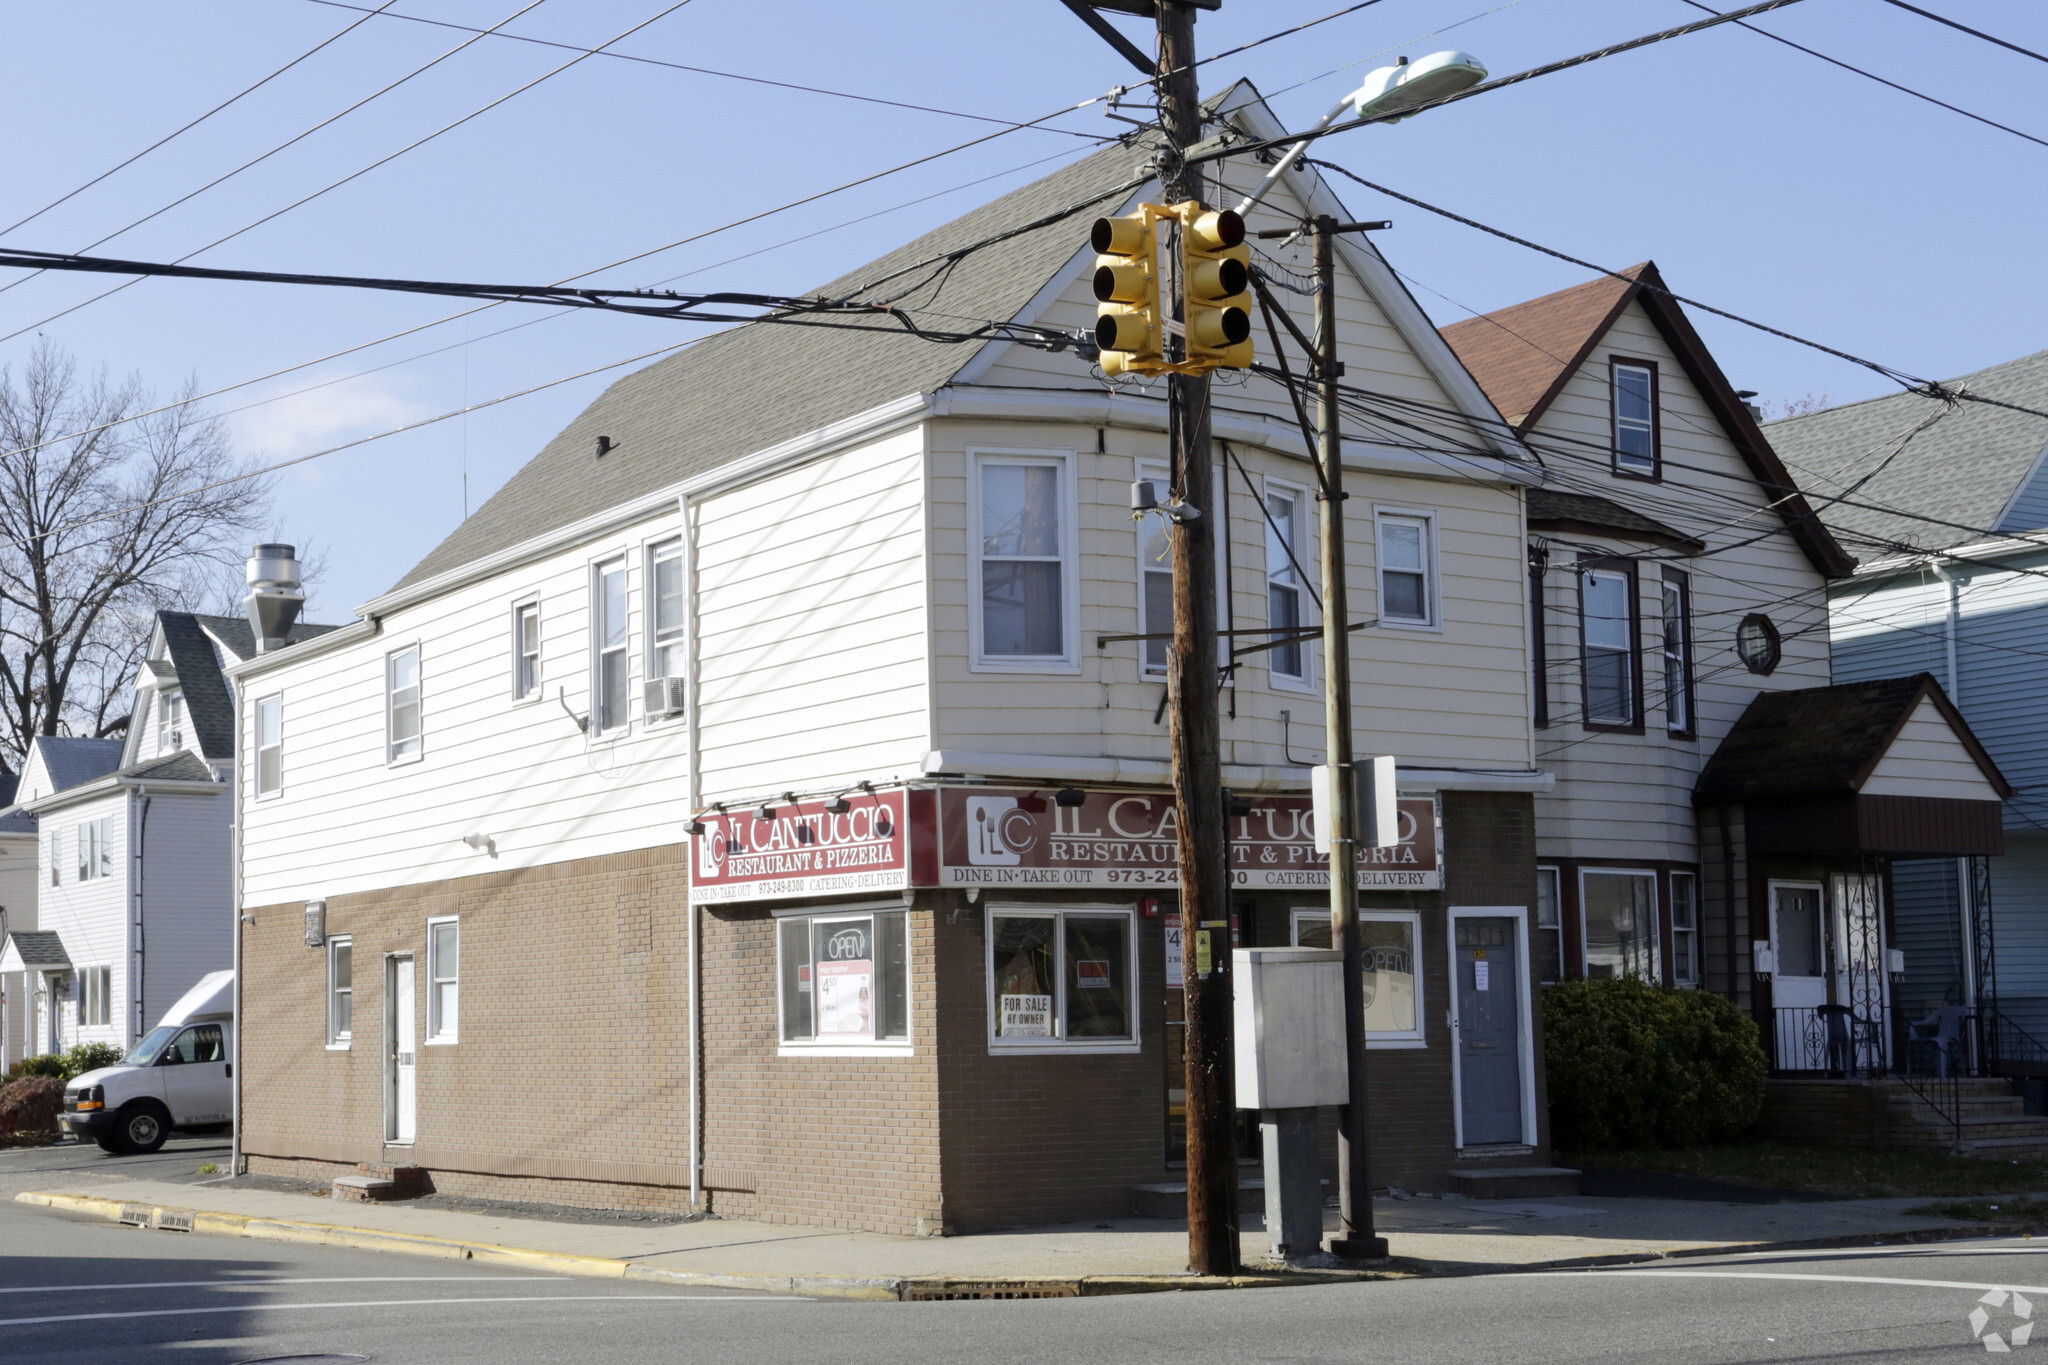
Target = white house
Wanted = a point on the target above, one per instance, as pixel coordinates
(18, 882)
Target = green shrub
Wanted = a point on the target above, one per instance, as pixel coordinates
(48, 1064)
(31, 1104)
(1635, 1065)
(84, 1057)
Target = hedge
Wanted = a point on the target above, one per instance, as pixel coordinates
(1636, 1065)
(31, 1104)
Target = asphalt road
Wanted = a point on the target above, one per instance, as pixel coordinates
(76, 1290)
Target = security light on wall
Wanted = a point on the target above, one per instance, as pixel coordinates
(482, 842)
(1070, 797)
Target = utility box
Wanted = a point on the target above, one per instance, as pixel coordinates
(1289, 1028)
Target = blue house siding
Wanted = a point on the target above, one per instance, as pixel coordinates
(2019, 918)
(1928, 916)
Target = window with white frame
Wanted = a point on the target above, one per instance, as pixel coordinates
(269, 745)
(611, 680)
(1062, 978)
(56, 857)
(1634, 388)
(1619, 907)
(668, 655)
(1549, 945)
(1389, 942)
(340, 990)
(1023, 544)
(402, 738)
(170, 721)
(1685, 929)
(1676, 593)
(526, 651)
(96, 849)
(1155, 570)
(1286, 554)
(95, 995)
(1407, 568)
(1607, 662)
(444, 975)
(845, 977)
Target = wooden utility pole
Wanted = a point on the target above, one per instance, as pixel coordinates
(1355, 1238)
(1196, 730)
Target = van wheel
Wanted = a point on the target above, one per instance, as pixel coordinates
(108, 1144)
(144, 1128)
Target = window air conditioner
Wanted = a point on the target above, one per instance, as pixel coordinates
(665, 697)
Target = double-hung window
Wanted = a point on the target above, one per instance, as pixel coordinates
(340, 991)
(56, 857)
(170, 721)
(1607, 618)
(1620, 910)
(1389, 943)
(269, 745)
(1677, 602)
(667, 654)
(845, 978)
(1685, 929)
(1286, 553)
(444, 974)
(611, 674)
(402, 705)
(1023, 542)
(1407, 566)
(95, 849)
(1549, 943)
(526, 651)
(1062, 979)
(1155, 568)
(95, 990)
(1633, 385)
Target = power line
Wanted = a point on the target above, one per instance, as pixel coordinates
(368, 14)
(1873, 76)
(1973, 32)
(704, 70)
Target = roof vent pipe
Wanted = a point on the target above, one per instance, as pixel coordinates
(275, 595)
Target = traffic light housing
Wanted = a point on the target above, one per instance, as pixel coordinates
(1216, 289)
(1129, 325)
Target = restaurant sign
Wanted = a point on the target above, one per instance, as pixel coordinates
(809, 848)
(1014, 837)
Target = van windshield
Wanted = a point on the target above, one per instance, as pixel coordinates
(144, 1052)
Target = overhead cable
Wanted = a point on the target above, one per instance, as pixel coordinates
(1973, 32)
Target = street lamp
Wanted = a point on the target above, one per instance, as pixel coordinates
(1396, 90)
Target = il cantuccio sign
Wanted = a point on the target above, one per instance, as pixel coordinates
(998, 837)
(806, 849)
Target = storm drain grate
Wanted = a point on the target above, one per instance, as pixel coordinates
(174, 1220)
(992, 1289)
(135, 1215)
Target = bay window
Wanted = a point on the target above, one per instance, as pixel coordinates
(1607, 637)
(1676, 591)
(844, 978)
(1062, 979)
(1620, 915)
(1685, 929)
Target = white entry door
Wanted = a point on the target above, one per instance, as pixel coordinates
(1799, 986)
(401, 1094)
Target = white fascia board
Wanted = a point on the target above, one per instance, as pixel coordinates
(1239, 777)
(108, 785)
(1999, 547)
(361, 629)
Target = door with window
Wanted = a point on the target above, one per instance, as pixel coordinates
(195, 1075)
(401, 1065)
(1799, 980)
(1487, 1026)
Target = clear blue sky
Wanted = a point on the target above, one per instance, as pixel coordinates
(1758, 178)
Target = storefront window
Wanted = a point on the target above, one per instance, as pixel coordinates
(844, 978)
(1061, 977)
(1621, 924)
(1393, 988)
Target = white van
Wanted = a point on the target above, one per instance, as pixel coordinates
(176, 1077)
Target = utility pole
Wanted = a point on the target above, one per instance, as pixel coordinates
(1196, 729)
(1355, 1239)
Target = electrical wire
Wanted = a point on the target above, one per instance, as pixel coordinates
(1418, 38)
(1973, 32)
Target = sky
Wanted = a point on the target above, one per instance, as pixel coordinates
(1760, 179)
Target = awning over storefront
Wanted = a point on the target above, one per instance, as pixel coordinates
(1888, 767)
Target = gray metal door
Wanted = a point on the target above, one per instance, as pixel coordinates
(1489, 1030)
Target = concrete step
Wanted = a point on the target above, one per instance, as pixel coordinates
(375, 1183)
(1516, 1182)
(2004, 1148)
(364, 1189)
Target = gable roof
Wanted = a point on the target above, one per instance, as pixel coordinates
(749, 387)
(1524, 355)
(1817, 741)
(69, 760)
(33, 949)
(181, 766)
(1966, 468)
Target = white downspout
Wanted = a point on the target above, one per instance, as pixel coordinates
(235, 1157)
(696, 1015)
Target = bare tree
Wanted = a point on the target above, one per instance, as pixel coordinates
(106, 516)
(1797, 407)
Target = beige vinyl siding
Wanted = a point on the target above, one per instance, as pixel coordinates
(1928, 759)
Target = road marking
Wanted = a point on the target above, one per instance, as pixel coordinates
(236, 1284)
(386, 1303)
(1825, 1279)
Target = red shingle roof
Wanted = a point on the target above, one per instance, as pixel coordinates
(1520, 353)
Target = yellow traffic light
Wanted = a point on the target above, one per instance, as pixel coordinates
(1216, 283)
(1128, 325)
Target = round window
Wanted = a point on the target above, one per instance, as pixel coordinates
(1757, 643)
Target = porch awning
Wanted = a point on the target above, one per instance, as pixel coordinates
(34, 951)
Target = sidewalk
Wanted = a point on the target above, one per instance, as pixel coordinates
(1427, 1236)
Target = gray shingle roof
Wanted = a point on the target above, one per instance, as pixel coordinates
(1553, 510)
(752, 386)
(182, 766)
(1963, 469)
(238, 637)
(208, 706)
(70, 760)
(15, 820)
(40, 948)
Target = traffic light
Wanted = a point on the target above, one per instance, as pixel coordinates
(1128, 324)
(1216, 282)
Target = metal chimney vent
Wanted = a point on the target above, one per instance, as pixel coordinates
(275, 595)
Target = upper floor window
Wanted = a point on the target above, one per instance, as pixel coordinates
(170, 721)
(525, 651)
(1677, 599)
(611, 683)
(671, 603)
(56, 857)
(1633, 385)
(1407, 565)
(1607, 629)
(96, 849)
(1286, 549)
(402, 705)
(1024, 543)
(1155, 568)
(269, 745)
